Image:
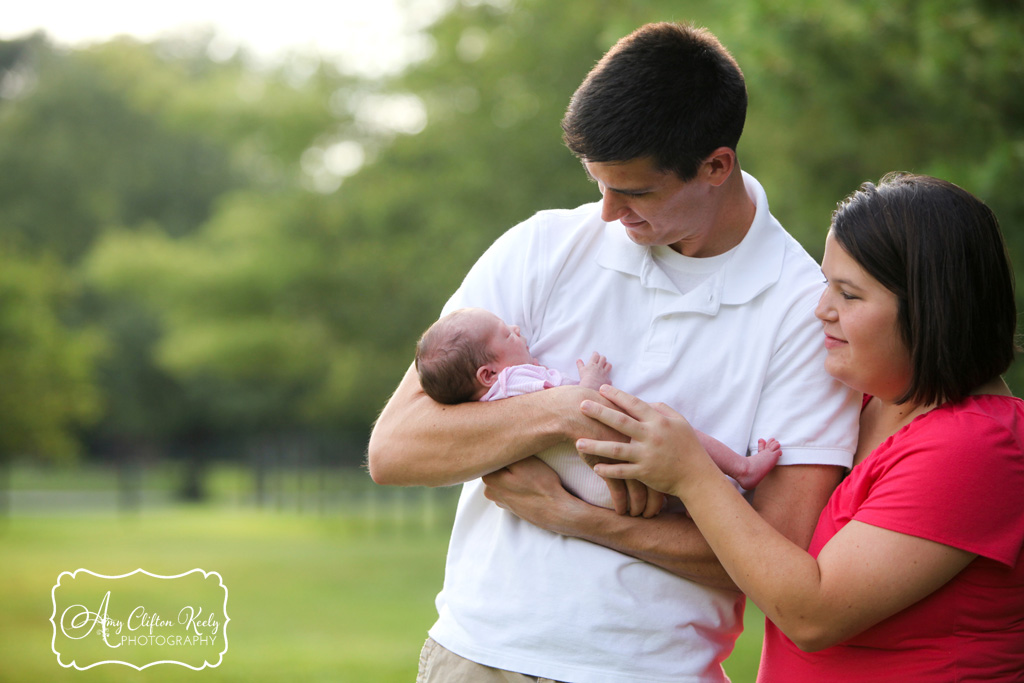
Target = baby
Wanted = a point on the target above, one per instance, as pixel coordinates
(473, 355)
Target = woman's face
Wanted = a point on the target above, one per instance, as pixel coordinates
(865, 349)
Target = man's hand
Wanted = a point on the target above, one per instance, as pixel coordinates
(532, 491)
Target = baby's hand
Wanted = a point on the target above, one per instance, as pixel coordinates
(594, 372)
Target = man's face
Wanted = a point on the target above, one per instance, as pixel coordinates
(655, 207)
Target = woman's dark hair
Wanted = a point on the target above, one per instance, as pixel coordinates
(670, 92)
(938, 248)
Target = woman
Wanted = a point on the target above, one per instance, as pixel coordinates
(915, 570)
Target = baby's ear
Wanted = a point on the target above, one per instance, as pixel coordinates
(487, 375)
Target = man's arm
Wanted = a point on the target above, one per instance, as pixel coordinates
(419, 442)
(790, 499)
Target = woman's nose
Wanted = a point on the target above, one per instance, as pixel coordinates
(825, 310)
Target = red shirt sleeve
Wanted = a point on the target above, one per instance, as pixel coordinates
(957, 478)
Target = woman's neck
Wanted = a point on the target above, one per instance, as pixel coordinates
(993, 387)
(881, 419)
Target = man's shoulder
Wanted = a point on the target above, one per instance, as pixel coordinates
(551, 228)
(799, 263)
(566, 220)
(772, 264)
(768, 237)
(585, 211)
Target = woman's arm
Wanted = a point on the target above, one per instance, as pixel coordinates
(862, 576)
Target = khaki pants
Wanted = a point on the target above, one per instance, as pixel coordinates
(438, 665)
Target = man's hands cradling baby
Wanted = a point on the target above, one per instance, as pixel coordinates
(532, 491)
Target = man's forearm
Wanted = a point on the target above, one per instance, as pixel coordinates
(670, 540)
(531, 490)
(790, 499)
(418, 442)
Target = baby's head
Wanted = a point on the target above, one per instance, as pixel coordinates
(459, 357)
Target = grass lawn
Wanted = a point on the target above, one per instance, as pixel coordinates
(311, 598)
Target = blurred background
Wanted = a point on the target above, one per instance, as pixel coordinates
(219, 242)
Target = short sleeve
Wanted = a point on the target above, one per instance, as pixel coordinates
(956, 480)
(813, 415)
(502, 281)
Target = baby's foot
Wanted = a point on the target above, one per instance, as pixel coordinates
(760, 464)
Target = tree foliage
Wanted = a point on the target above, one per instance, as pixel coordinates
(47, 369)
(261, 245)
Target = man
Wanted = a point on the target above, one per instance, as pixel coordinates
(700, 299)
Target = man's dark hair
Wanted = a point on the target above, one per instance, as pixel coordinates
(939, 249)
(447, 358)
(669, 92)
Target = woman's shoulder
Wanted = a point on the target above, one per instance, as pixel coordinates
(982, 426)
(984, 411)
(978, 427)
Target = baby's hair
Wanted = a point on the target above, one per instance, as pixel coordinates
(447, 358)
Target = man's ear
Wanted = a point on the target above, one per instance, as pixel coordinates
(487, 375)
(719, 165)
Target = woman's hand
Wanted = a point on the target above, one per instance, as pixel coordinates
(629, 496)
(663, 451)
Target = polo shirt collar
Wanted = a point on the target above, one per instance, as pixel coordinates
(755, 265)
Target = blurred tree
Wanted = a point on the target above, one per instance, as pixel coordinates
(48, 388)
(241, 308)
(126, 135)
(265, 244)
(315, 299)
(78, 154)
(847, 91)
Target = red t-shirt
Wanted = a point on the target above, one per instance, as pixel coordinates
(954, 475)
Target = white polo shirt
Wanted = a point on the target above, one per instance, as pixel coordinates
(741, 356)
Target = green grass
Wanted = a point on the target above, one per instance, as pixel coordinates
(311, 598)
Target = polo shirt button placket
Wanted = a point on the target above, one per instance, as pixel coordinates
(655, 348)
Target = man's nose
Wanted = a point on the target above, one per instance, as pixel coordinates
(613, 207)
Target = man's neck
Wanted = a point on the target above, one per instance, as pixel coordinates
(735, 215)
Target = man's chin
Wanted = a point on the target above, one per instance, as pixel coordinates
(643, 239)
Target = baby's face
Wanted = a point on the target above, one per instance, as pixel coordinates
(505, 341)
